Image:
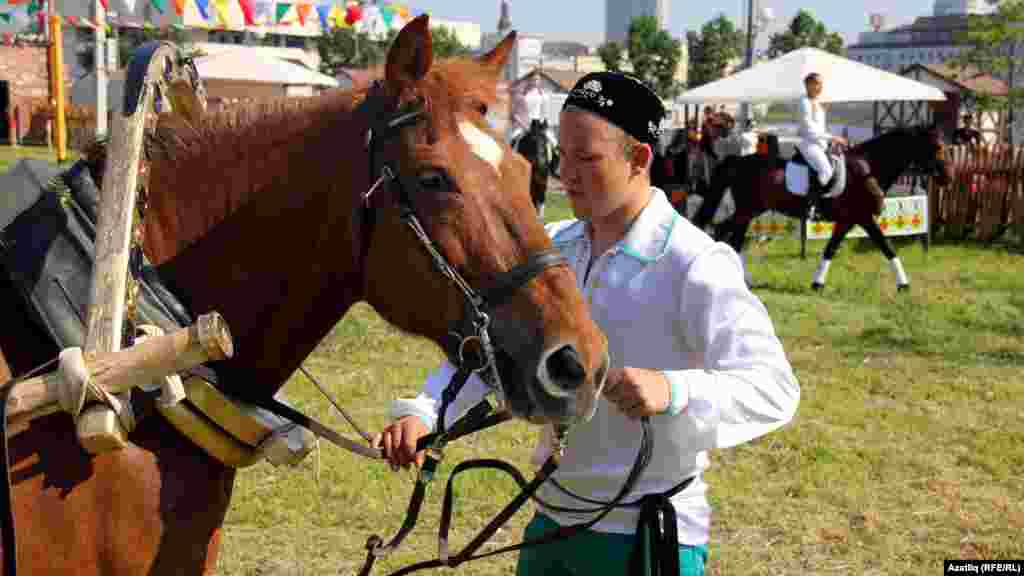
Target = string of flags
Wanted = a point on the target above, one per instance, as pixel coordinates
(374, 18)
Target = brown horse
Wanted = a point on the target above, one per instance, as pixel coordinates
(258, 213)
(758, 185)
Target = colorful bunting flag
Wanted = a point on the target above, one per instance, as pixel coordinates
(323, 11)
(204, 9)
(160, 5)
(5, 17)
(303, 10)
(179, 7)
(220, 9)
(337, 16)
(281, 11)
(247, 12)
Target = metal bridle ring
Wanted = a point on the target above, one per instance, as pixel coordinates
(484, 360)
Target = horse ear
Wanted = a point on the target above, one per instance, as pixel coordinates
(496, 58)
(412, 53)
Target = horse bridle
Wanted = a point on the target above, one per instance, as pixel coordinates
(473, 331)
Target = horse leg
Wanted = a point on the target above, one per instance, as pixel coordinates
(711, 199)
(538, 188)
(878, 237)
(838, 234)
(737, 238)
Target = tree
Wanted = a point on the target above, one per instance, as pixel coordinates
(993, 46)
(805, 30)
(447, 44)
(611, 55)
(345, 48)
(652, 53)
(718, 44)
(655, 56)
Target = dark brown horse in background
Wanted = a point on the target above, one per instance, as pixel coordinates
(758, 185)
(535, 145)
(257, 213)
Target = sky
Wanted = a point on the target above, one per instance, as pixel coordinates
(583, 20)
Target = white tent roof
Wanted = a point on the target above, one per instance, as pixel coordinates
(247, 67)
(783, 79)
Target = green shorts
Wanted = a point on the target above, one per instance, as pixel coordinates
(591, 553)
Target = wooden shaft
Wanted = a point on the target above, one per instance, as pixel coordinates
(154, 358)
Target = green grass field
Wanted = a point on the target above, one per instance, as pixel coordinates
(908, 446)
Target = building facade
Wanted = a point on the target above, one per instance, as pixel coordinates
(931, 41)
(928, 40)
(619, 14)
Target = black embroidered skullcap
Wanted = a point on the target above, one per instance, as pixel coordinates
(623, 100)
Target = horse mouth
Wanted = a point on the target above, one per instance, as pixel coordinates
(526, 397)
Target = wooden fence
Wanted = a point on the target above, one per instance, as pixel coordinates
(985, 199)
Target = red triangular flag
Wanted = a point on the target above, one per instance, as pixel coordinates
(303, 10)
(247, 11)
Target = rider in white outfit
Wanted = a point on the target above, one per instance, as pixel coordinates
(528, 105)
(814, 137)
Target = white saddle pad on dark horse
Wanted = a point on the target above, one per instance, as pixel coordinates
(798, 176)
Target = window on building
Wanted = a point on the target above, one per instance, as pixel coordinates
(294, 42)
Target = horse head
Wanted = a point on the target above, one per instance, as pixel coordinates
(930, 153)
(471, 195)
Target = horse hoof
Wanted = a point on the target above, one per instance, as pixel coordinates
(902, 287)
(817, 287)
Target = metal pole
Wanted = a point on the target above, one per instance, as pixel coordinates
(57, 72)
(100, 65)
(1009, 113)
(749, 60)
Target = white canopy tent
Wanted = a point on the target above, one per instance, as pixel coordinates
(783, 79)
(243, 66)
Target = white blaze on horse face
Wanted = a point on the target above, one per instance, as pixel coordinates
(482, 144)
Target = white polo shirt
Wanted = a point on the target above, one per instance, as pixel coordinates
(671, 299)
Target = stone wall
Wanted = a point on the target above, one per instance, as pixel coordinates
(26, 71)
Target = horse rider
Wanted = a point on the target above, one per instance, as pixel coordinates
(528, 105)
(815, 140)
(967, 135)
(709, 132)
(748, 138)
(691, 348)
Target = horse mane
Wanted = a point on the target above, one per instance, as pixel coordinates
(203, 173)
(885, 140)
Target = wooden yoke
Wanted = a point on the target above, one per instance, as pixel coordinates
(88, 376)
(156, 83)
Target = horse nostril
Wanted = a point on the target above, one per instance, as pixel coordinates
(564, 367)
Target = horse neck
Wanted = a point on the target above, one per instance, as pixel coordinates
(255, 222)
(887, 158)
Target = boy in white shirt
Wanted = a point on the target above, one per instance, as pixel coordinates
(691, 347)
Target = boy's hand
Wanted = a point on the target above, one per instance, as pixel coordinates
(398, 441)
(637, 392)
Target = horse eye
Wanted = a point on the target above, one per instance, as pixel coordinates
(433, 180)
(482, 109)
